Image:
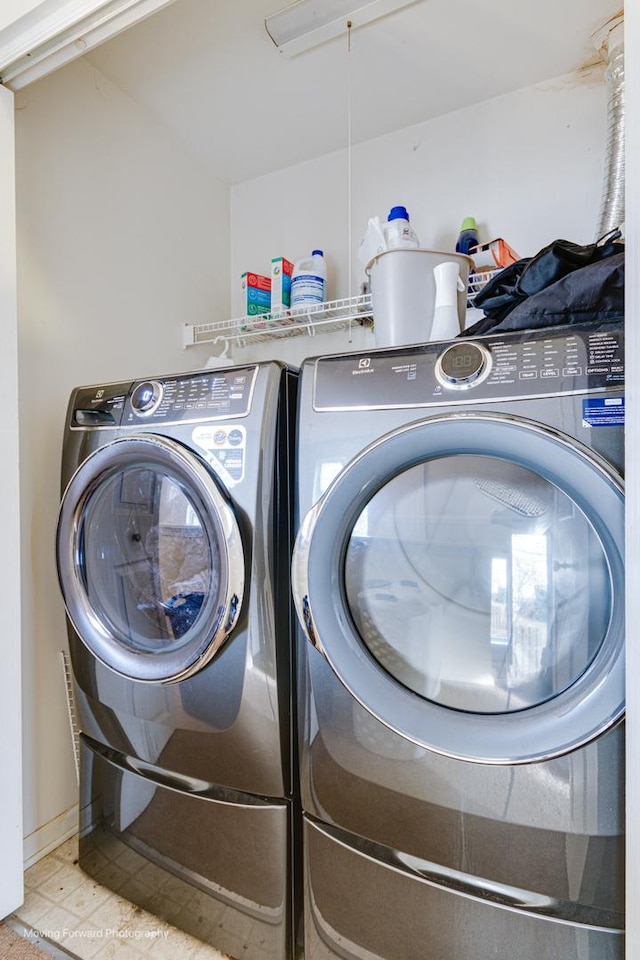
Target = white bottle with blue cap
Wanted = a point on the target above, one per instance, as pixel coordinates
(398, 231)
(309, 281)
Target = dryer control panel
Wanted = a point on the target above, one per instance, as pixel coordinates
(510, 366)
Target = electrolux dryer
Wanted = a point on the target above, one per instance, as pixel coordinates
(458, 575)
(173, 550)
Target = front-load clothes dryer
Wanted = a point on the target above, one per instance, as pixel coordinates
(458, 575)
(173, 551)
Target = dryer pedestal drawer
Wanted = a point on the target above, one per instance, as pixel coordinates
(358, 906)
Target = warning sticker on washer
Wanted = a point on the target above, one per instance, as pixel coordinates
(603, 412)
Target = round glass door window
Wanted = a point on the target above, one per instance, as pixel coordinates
(478, 584)
(472, 566)
(150, 559)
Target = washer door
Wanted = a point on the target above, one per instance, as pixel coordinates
(464, 578)
(150, 559)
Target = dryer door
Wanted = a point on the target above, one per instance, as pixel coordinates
(464, 578)
(150, 559)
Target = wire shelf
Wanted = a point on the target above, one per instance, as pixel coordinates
(296, 322)
(479, 279)
(301, 321)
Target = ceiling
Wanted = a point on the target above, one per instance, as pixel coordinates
(211, 73)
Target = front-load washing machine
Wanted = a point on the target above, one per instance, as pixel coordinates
(173, 551)
(458, 577)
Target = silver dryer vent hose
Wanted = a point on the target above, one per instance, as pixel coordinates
(612, 203)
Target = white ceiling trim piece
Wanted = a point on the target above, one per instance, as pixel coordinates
(37, 45)
(308, 23)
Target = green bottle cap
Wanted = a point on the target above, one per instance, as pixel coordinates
(468, 223)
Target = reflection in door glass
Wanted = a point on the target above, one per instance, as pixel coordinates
(148, 561)
(478, 584)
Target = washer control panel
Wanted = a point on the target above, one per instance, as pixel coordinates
(190, 397)
(497, 367)
(206, 395)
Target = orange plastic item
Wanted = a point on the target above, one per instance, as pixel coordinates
(503, 255)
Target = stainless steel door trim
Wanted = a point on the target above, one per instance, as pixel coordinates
(218, 619)
(589, 706)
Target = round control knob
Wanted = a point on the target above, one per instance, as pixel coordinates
(146, 397)
(463, 364)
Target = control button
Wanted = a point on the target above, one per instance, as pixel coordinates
(146, 398)
(462, 365)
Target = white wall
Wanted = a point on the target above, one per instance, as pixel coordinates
(528, 166)
(121, 239)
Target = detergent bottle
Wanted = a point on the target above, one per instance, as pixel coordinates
(309, 280)
(468, 236)
(398, 231)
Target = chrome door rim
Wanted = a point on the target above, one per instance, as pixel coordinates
(589, 706)
(216, 624)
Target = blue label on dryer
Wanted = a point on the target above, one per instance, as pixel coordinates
(603, 412)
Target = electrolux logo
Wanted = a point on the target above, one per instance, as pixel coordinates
(364, 366)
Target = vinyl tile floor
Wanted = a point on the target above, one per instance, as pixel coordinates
(67, 913)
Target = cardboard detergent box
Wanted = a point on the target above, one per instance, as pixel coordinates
(281, 270)
(256, 294)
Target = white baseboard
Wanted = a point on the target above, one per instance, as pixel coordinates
(46, 838)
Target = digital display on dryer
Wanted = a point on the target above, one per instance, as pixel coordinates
(462, 364)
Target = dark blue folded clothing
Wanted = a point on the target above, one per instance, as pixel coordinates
(581, 293)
